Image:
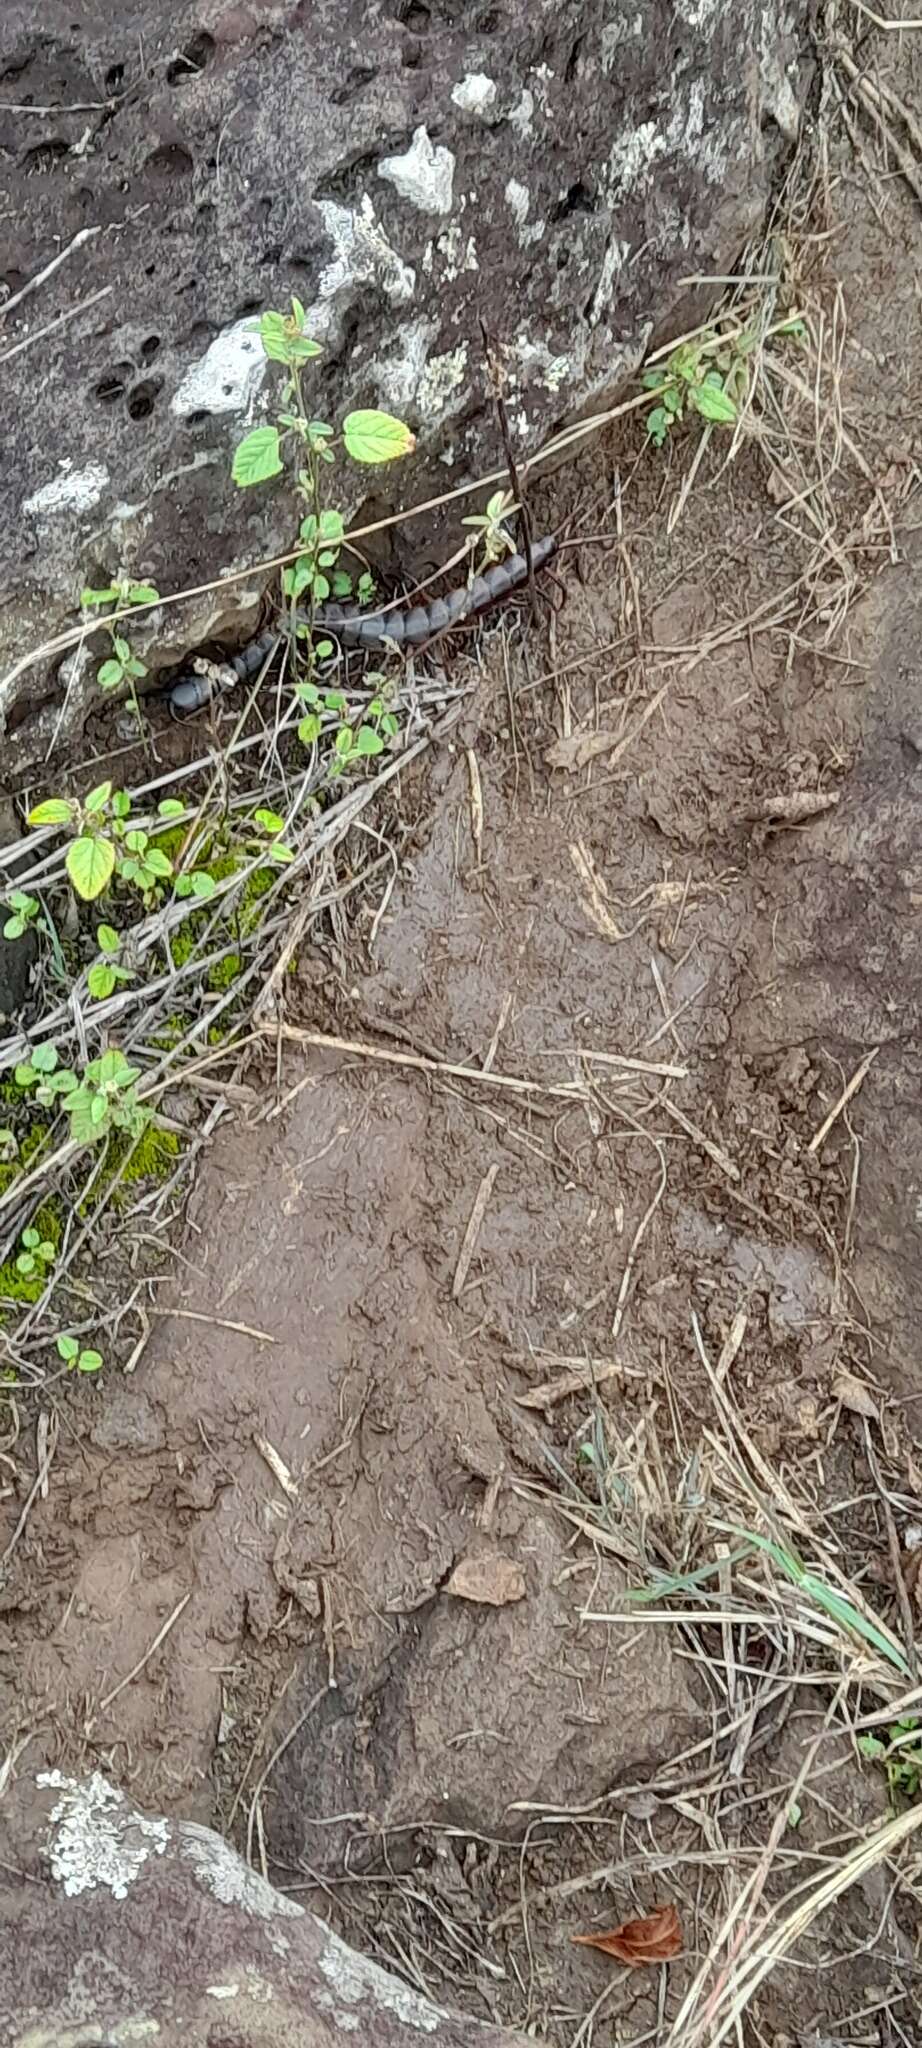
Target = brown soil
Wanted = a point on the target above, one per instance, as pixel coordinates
(329, 1422)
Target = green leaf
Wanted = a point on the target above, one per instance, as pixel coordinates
(170, 808)
(134, 667)
(203, 885)
(341, 584)
(309, 730)
(714, 404)
(14, 928)
(269, 820)
(98, 797)
(257, 457)
(334, 700)
(143, 593)
(121, 646)
(24, 1075)
(107, 938)
(67, 1349)
(376, 437)
(30, 1239)
(157, 863)
(298, 578)
(101, 981)
(321, 587)
(121, 804)
(273, 337)
(136, 840)
(332, 527)
(365, 587)
(89, 598)
(56, 810)
(109, 675)
(323, 650)
(343, 742)
(658, 423)
(82, 1128)
(368, 742)
(90, 863)
(89, 1361)
(25, 1263)
(45, 1058)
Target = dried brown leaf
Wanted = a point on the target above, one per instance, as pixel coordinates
(655, 1939)
(579, 748)
(493, 1580)
(855, 1396)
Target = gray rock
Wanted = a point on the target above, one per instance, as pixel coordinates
(554, 166)
(116, 1927)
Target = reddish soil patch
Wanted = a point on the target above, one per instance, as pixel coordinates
(309, 1492)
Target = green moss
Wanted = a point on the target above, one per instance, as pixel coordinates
(225, 972)
(182, 944)
(29, 1287)
(150, 1157)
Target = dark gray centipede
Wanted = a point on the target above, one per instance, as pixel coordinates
(372, 632)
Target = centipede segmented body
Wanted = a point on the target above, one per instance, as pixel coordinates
(372, 632)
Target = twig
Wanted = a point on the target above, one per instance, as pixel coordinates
(473, 1230)
(37, 1487)
(41, 334)
(85, 235)
(296, 1035)
(715, 1152)
(136, 1670)
(851, 1088)
(194, 1315)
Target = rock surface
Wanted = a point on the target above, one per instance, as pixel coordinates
(117, 1927)
(405, 167)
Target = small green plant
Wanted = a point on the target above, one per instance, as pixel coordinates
(103, 1099)
(106, 842)
(695, 378)
(122, 665)
(37, 1254)
(24, 913)
(491, 530)
(352, 744)
(75, 1358)
(900, 1756)
(105, 974)
(368, 437)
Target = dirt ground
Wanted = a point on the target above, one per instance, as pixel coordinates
(664, 965)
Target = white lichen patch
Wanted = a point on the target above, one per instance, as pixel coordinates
(699, 13)
(613, 37)
(458, 252)
(532, 362)
(72, 490)
(441, 379)
(517, 199)
(475, 94)
(362, 255)
(356, 1981)
(222, 1872)
(424, 175)
(97, 1840)
(522, 115)
(637, 152)
(227, 377)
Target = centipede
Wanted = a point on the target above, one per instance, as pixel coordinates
(365, 631)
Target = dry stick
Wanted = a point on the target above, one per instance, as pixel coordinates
(194, 1315)
(851, 1088)
(865, 93)
(495, 375)
(715, 1152)
(473, 1230)
(276, 1757)
(35, 1489)
(30, 340)
(583, 1380)
(363, 1050)
(884, 21)
(639, 1235)
(159, 1638)
(85, 235)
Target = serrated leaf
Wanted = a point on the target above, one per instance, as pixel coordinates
(273, 337)
(82, 1128)
(100, 981)
(90, 863)
(714, 404)
(376, 437)
(157, 863)
(54, 811)
(257, 457)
